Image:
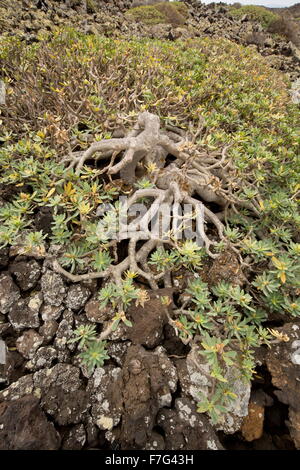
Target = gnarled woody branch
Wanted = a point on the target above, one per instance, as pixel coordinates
(148, 143)
(193, 172)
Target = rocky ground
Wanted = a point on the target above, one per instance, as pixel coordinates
(145, 396)
(30, 18)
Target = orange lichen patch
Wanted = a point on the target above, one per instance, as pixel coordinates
(252, 427)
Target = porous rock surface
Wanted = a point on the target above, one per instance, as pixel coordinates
(30, 19)
(25, 312)
(186, 429)
(146, 383)
(9, 292)
(26, 273)
(148, 323)
(283, 362)
(144, 397)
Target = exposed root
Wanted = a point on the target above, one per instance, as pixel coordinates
(193, 173)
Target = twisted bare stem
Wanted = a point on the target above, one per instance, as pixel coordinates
(194, 173)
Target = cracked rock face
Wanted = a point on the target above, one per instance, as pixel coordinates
(25, 312)
(48, 330)
(148, 322)
(63, 394)
(24, 426)
(65, 408)
(75, 438)
(53, 288)
(148, 379)
(64, 376)
(50, 312)
(64, 332)
(117, 351)
(22, 387)
(192, 373)
(43, 357)
(283, 362)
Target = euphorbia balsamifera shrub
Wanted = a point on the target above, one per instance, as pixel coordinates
(257, 13)
(65, 94)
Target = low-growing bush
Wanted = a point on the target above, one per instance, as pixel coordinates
(256, 13)
(64, 93)
(164, 12)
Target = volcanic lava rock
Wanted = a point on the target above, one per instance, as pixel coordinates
(63, 395)
(77, 297)
(185, 429)
(28, 343)
(148, 321)
(25, 312)
(53, 288)
(283, 362)
(24, 426)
